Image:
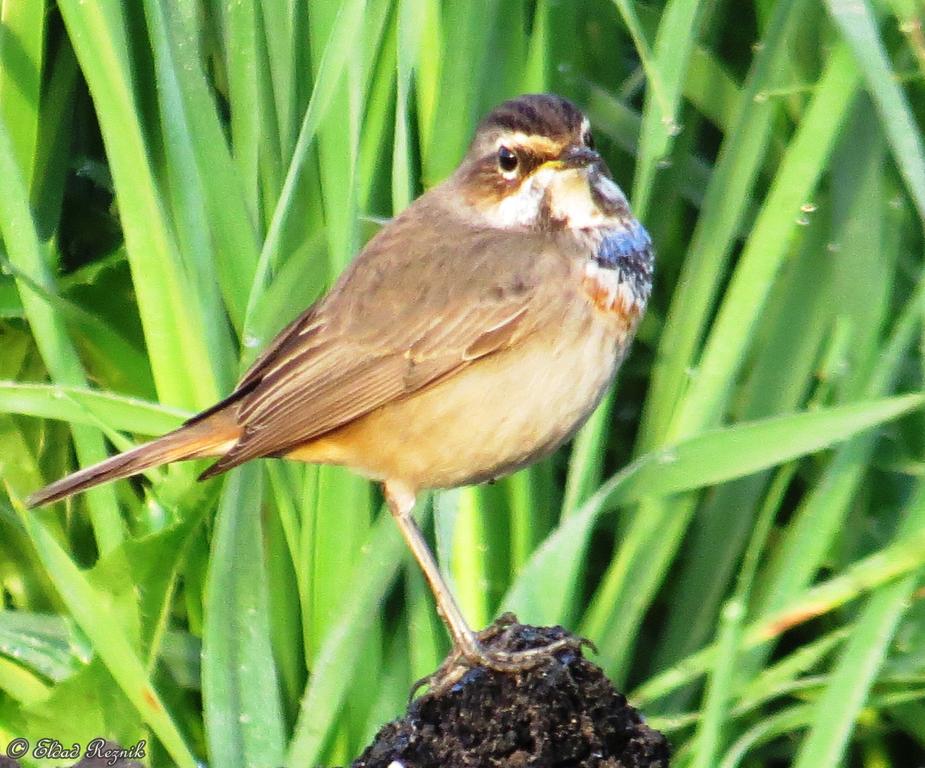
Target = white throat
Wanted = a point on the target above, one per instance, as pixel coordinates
(561, 196)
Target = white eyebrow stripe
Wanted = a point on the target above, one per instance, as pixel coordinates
(526, 140)
(518, 137)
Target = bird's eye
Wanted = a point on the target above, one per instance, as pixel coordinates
(507, 160)
(588, 139)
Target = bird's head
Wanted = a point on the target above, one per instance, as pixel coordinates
(533, 165)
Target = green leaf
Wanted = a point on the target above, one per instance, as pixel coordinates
(733, 330)
(724, 204)
(887, 565)
(863, 654)
(243, 714)
(170, 310)
(58, 353)
(215, 230)
(674, 43)
(541, 591)
(330, 69)
(336, 661)
(80, 405)
(93, 613)
(21, 52)
(858, 25)
(41, 642)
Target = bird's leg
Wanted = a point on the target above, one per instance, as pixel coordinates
(466, 643)
(401, 504)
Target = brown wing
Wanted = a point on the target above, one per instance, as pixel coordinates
(400, 319)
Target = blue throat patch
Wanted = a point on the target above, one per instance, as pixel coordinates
(629, 249)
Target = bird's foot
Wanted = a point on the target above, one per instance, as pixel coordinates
(494, 647)
(506, 646)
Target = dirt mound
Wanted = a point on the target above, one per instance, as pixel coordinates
(562, 712)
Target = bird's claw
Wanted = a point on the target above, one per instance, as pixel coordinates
(485, 650)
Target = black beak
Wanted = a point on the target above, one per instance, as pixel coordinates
(579, 157)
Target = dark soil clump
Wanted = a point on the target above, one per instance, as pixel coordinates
(562, 712)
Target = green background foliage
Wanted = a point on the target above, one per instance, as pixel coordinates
(740, 528)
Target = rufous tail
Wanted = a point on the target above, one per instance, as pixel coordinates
(209, 437)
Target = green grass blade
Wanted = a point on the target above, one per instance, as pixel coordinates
(863, 654)
(80, 405)
(244, 79)
(184, 199)
(190, 117)
(330, 70)
(331, 676)
(649, 62)
(823, 510)
(793, 185)
(21, 241)
(723, 207)
(243, 716)
(469, 561)
(892, 563)
(50, 170)
(40, 642)
(169, 310)
(674, 43)
(719, 455)
(466, 30)
(94, 615)
(658, 528)
(409, 42)
(775, 679)
(859, 28)
(779, 723)
(279, 23)
(22, 35)
(541, 591)
(536, 76)
(586, 461)
(336, 527)
(643, 551)
(21, 685)
(721, 683)
(95, 338)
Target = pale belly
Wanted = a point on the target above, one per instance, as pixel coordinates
(500, 414)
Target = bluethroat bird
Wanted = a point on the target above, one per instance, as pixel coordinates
(473, 335)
